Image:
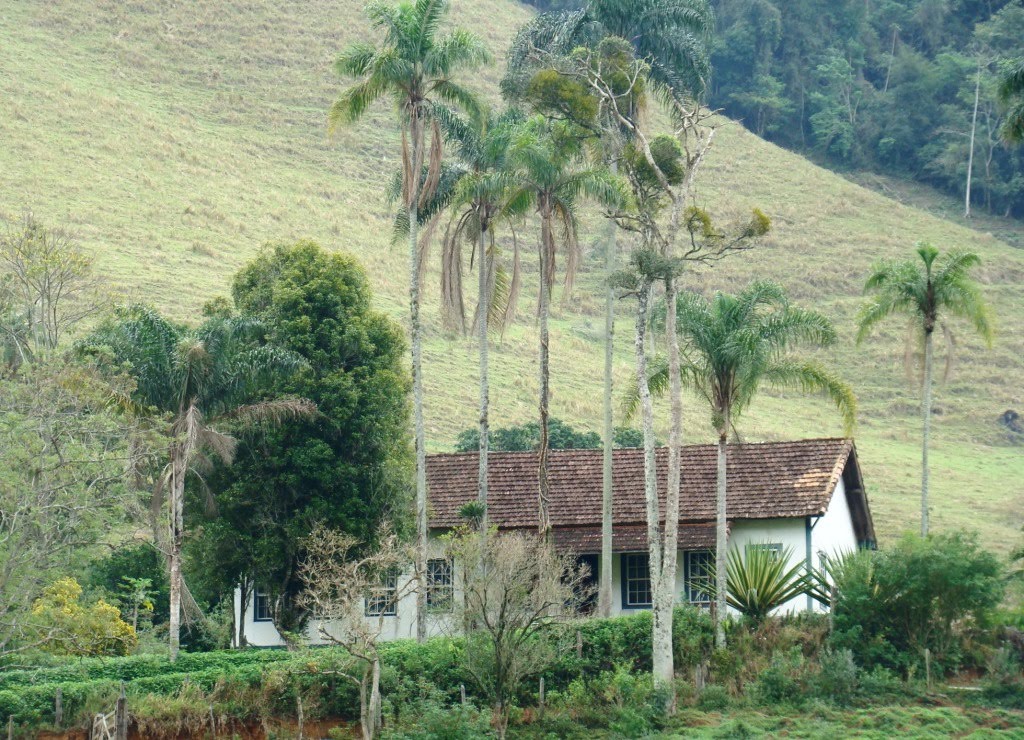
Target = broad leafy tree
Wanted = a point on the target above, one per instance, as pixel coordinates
(203, 383)
(415, 65)
(350, 466)
(927, 290)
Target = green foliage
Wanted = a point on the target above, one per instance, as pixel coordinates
(559, 95)
(734, 344)
(346, 467)
(137, 561)
(667, 155)
(65, 626)
(927, 289)
(932, 593)
(759, 580)
(884, 87)
(562, 436)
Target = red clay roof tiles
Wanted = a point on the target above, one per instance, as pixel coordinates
(766, 481)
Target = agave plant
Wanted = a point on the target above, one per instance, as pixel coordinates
(759, 579)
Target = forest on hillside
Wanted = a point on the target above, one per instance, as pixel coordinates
(899, 87)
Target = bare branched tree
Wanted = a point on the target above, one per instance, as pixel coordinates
(521, 586)
(48, 288)
(65, 480)
(349, 593)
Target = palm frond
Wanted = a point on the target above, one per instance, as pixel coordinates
(811, 377)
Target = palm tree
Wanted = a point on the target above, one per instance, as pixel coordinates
(732, 344)
(552, 175)
(1011, 92)
(414, 65)
(203, 381)
(926, 289)
(481, 198)
(671, 35)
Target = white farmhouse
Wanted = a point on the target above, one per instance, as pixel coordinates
(804, 497)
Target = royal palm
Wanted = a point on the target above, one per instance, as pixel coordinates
(548, 164)
(926, 289)
(731, 346)
(204, 382)
(414, 65)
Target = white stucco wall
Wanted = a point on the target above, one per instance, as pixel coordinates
(832, 533)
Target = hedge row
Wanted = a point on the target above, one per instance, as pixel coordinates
(583, 650)
(135, 667)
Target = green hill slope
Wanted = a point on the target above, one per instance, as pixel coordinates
(175, 138)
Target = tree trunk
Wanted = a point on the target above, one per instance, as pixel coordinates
(543, 518)
(661, 669)
(604, 602)
(482, 311)
(373, 710)
(970, 155)
(179, 465)
(926, 415)
(665, 586)
(721, 539)
(416, 332)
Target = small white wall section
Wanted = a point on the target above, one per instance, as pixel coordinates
(834, 534)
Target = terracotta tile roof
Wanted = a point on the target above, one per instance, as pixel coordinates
(766, 481)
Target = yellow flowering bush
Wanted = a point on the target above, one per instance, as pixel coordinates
(65, 626)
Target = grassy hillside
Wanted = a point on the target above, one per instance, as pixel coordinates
(177, 137)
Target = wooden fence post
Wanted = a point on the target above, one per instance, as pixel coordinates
(928, 668)
(462, 692)
(542, 697)
(121, 716)
(58, 707)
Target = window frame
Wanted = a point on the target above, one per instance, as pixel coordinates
(626, 560)
(260, 596)
(694, 596)
(385, 594)
(773, 547)
(440, 596)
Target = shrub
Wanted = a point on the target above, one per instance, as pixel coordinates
(922, 593)
(714, 698)
(783, 682)
(837, 679)
(66, 627)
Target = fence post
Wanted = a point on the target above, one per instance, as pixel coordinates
(542, 697)
(58, 707)
(121, 716)
(462, 692)
(579, 645)
(928, 668)
(213, 722)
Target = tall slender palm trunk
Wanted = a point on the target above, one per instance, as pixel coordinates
(604, 601)
(926, 414)
(484, 305)
(543, 488)
(662, 670)
(721, 538)
(179, 469)
(416, 340)
(664, 591)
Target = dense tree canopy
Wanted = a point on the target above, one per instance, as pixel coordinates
(348, 467)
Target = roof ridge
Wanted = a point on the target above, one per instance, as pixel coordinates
(592, 450)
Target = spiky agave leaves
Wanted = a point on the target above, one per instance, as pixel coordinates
(759, 579)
